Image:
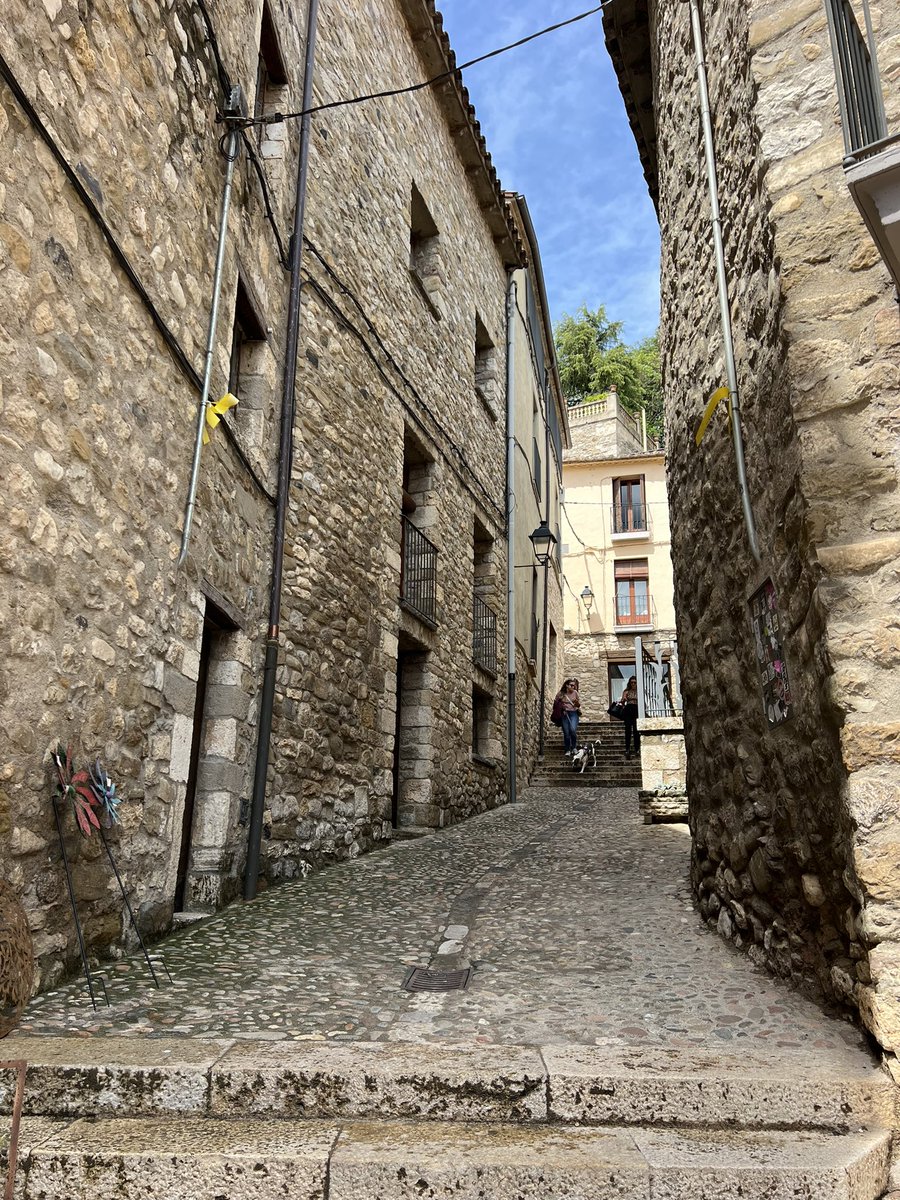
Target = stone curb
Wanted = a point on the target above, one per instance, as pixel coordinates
(259, 1160)
(123, 1076)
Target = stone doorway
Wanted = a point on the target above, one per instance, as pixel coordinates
(412, 804)
(208, 746)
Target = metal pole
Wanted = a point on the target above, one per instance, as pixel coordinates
(724, 307)
(285, 461)
(542, 716)
(232, 149)
(511, 536)
(639, 674)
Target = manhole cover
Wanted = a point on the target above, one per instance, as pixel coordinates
(421, 979)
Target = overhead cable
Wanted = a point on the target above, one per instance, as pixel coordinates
(277, 117)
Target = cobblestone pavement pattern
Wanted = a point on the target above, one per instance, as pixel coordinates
(579, 923)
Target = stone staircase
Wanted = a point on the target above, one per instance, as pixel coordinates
(613, 769)
(184, 1119)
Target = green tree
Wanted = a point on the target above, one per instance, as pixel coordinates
(593, 359)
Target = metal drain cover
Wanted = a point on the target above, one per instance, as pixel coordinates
(422, 979)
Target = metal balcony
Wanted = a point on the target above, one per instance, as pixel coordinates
(418, 573)
(484, 636)
(856, 68)
(630, 520)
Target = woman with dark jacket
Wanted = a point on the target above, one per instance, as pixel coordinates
(630, 717)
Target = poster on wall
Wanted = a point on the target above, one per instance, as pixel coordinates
(777, 701)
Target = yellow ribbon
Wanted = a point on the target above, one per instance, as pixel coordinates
(715, 399)
(214, 412)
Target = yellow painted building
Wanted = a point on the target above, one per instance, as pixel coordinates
(616, 550)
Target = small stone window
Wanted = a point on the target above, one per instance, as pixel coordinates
(482, 741)
(271, 87)
(247, 365)
(425, 254)
(487, 370)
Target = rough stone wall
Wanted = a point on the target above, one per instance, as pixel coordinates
(773, 841)
(101, 635)
(843, 355)
(331, 783)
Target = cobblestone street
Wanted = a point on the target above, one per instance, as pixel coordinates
(576, 917)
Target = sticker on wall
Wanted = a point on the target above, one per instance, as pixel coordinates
(777, 701)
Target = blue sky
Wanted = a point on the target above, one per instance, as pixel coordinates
(556, 128)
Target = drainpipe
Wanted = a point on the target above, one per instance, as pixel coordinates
(285, 457)
(542, 716)
(232, 149)
(724, 307)
(511, 535)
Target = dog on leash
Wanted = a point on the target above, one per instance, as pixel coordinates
(583, 755)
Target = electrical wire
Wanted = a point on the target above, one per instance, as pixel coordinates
(461, 472)
(267, 199)
(172, 343)
(277, 117)
(347, 291)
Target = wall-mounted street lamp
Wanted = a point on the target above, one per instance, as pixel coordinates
(543, 541)
(587, 599)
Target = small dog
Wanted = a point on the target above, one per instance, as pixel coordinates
(581, 756)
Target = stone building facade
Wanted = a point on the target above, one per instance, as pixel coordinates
(793, 779)
(386, 713)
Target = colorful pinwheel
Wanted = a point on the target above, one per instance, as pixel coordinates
(75, 787)
(105, 792)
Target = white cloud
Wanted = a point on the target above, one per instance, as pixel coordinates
(556, 128)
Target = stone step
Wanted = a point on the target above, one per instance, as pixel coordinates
(131, 1077)
(142, 1158)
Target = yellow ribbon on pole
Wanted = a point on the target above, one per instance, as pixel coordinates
(214, 412)
(714, 401)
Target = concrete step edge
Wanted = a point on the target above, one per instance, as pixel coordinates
(573, 1085)
(183, 1159)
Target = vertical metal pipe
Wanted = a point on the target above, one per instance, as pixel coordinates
(724, 307)
(542, 715)
(232, 149)
(285, 462)
(511, 535)
(639, 676)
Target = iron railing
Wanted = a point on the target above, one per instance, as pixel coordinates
(659, 684)
(418, 572)
(636, 611)
(630, 518)
(484, 636)
(856, 66)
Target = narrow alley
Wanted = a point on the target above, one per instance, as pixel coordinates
(576, 918)
(607, 1044)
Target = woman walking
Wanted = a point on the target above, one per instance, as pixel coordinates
(571, 711)
(630, 717)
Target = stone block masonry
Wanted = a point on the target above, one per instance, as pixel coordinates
(106, 644)
(789, 822)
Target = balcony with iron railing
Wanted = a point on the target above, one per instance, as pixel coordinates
(871, 153)
(634, 612)
(418, 573)
(630, 522)
(484, 636)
